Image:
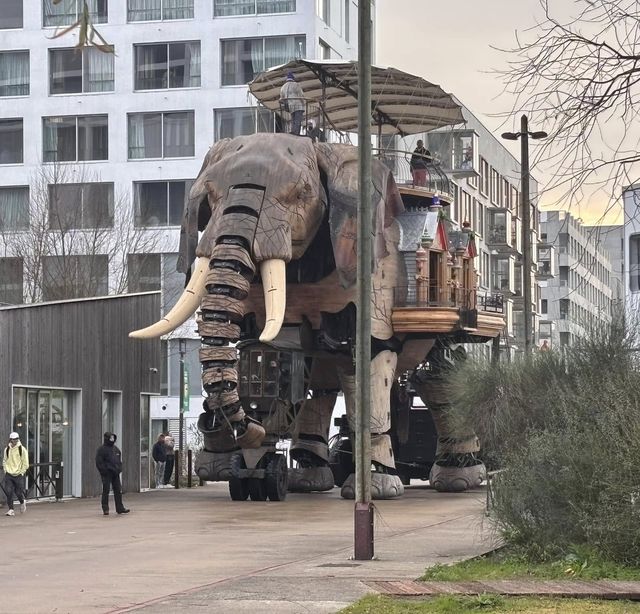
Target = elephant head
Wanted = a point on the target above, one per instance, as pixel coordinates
(260, 202)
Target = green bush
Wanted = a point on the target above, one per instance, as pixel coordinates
(566, 427)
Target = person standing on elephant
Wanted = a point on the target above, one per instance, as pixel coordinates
(292, 100)
(159, 455)
(15, 462)
(109, 465)
(168, 467)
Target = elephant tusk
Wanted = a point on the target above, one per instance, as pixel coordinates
(183, 309)
(275, 297)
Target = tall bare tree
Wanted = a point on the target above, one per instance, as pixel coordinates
(80, 235)
(577, 76)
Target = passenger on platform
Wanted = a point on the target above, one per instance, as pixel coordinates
(292, 101)
(419, 163)
(314, 132)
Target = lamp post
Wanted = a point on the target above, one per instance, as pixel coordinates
(524, 135)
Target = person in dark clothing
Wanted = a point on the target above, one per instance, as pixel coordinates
(159, 454)
(109, 465)
(419, 164)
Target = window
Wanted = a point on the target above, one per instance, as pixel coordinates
(75, 138)
(158, 10)
(479, 227)
(14, 73)
(67, 12)
(243, 59)
(165, 66)
(543, 305)
(230, 123)
(11, 278)
(80, 205)
(161, 135)
(152, 272)
(325, 50)
(634, 263)
(160, 203)
(11, 145)
(11, 14)
(14, 208)
(346, 20)
(484, 177)
(495, 186)
(228, 8)
(65, 277)
(73, 72)
(330, 12)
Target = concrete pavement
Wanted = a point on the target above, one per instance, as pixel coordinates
(198, 551)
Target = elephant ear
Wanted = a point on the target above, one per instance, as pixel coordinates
(339, 165)
(196, 211)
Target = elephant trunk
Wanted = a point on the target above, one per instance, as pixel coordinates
(224, 424)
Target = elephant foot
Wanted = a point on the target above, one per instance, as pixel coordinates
(383, 486)
(456, 479)
(214, 466)
(309, 479)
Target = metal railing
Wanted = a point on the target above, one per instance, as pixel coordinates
(491, 302)
(431, 177)
(435, 296)
(44, 480)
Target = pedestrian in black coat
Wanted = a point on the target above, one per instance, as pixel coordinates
(109, 465)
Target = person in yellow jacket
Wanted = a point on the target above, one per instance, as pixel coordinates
(15, 462)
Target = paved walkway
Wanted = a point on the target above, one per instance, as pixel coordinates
(198, 551)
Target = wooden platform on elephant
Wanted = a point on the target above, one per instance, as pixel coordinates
(443, 320)
(583, 589)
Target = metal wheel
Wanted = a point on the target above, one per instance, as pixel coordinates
(276, 478)
(257, 489)
(238, 487)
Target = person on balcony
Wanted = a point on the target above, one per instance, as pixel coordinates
(420, 160)
(292, 101)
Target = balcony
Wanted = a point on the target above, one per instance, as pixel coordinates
(430, 180)
(546, 262)
(500, 231)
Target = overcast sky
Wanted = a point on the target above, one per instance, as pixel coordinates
(452, 43)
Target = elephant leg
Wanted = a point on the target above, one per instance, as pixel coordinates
(309, 447)
(224, 425)
(456, 467)
(384, 483)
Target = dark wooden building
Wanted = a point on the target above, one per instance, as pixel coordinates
(69, 372)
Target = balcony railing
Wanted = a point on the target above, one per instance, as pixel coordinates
(491, 302)
(429, 176)
(435, 296)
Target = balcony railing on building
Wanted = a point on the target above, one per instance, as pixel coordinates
(429, 176)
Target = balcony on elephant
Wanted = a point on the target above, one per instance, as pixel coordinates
(417, 184)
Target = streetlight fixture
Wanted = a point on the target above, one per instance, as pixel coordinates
(524, 135)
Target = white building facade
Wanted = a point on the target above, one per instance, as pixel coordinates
(119, 137)
(581, 293)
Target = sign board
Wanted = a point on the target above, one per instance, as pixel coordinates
(184, 392)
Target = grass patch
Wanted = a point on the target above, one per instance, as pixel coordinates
(509, 563)
(379, 604)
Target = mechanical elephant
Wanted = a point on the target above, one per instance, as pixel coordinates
(280, 211)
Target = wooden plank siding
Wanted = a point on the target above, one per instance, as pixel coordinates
(83, 344)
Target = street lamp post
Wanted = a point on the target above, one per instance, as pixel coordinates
(524, 135)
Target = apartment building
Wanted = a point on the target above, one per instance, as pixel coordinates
(107, 144)
(581, 293)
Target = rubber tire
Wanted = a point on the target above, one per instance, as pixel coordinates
(257, 489)
(276, 479)
(238, 487)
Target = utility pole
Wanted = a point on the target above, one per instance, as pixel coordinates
(525, 203)
(363, 512)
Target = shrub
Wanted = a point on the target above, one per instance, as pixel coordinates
(566, 427)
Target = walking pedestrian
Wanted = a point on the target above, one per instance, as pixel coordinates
(159, 454)
(109, 465)
(15, 462)
(169, 442)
